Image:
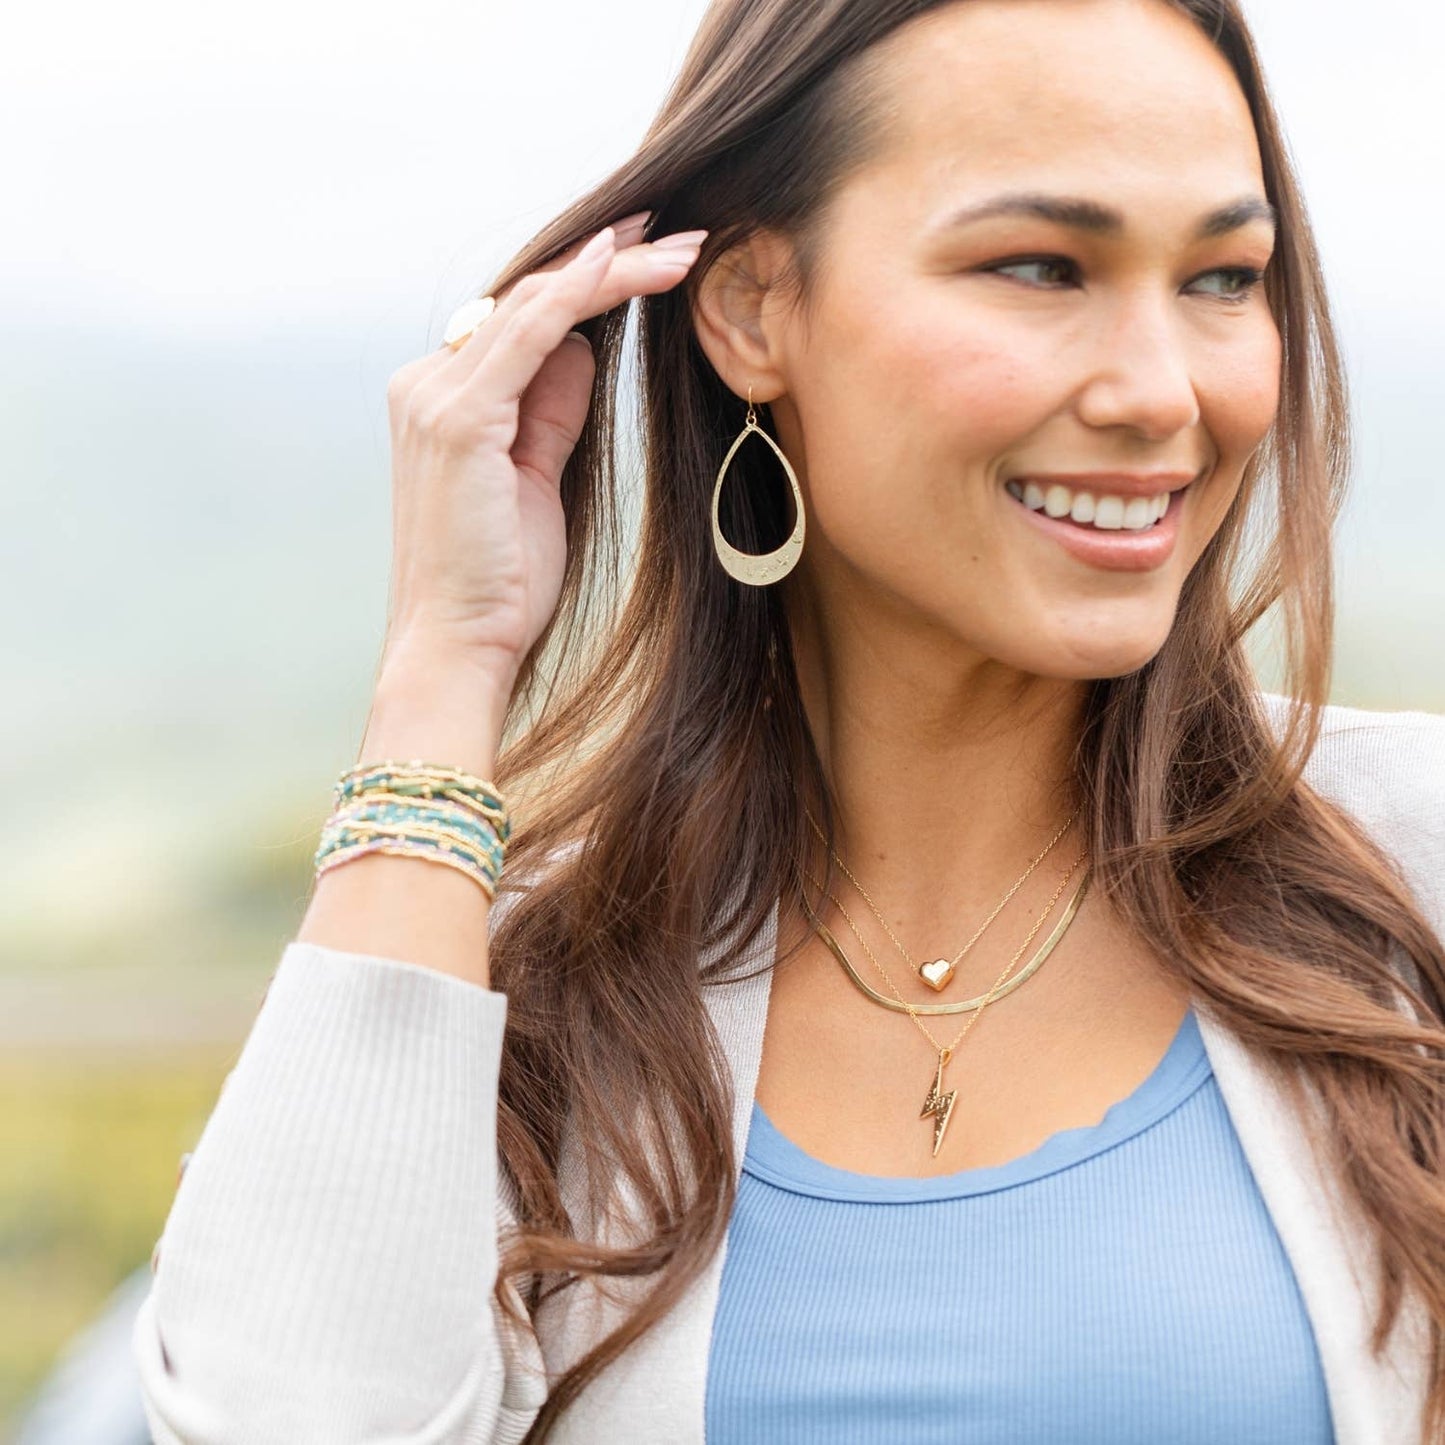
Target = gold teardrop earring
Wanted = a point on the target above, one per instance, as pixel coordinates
(757, 571)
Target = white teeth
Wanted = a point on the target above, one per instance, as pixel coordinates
(1057, 501)
(1139, 512)
(1111, 513)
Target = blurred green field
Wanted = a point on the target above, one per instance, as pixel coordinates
(89, 1150)
(116, 1032)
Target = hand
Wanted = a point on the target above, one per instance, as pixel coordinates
(479, 438)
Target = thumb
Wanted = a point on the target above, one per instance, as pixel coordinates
(553, 409)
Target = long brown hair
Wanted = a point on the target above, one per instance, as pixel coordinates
(661, 760)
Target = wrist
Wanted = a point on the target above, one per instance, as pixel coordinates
(438, 707)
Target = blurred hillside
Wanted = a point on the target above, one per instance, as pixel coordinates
(194, 562)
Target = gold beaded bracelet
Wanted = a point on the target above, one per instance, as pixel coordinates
(418, 809)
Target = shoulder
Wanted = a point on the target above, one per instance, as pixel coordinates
(1389, 766)
(1387, 769)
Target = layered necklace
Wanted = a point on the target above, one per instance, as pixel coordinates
(939, 973)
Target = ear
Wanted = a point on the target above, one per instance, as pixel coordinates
(740, 314)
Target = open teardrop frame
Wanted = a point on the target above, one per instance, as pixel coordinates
(767, 567)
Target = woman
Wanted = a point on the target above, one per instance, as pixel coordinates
(1011, 313)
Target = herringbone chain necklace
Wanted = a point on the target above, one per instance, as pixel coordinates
(938, 973)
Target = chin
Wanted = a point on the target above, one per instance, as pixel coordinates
(1088, 654)
(1115, 661)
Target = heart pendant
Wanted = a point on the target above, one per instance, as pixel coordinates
(936, 974)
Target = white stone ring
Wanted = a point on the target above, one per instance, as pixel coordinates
(466, 318)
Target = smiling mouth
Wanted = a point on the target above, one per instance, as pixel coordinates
(1101, 511)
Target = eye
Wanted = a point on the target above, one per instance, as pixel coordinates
(1051, 272)
(1055, 269)
(1240, 282)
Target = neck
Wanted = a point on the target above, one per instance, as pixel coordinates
(950, 772)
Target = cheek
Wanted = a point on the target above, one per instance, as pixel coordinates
(901, 421)
(1239, 391)
(957, 394)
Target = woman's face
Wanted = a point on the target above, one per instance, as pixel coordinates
(1035, 323)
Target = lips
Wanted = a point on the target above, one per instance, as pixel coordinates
(1109, 548)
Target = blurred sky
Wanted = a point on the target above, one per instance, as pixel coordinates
(224, 230)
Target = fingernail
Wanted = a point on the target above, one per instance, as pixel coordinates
(601, 242)
(578, 336)
(680, 239)
(635, 222)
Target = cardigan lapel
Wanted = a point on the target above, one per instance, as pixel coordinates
(1373, 1402)
(656, 1390)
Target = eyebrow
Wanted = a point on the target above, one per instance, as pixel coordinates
(1084, 215)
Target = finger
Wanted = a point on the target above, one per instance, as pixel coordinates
(554, 410)
(646, 269)
(628, 231)
(531, 322)
(640, 270)
(641, 267)
(445, 372)
(411, 374)
(420, 370)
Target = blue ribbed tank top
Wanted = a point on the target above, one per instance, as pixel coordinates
(1122, 1284)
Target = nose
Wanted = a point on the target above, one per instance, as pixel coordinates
(1140, 375)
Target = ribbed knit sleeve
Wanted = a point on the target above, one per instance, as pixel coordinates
(326, 1269)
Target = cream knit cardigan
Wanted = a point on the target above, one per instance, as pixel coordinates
(325, 1272)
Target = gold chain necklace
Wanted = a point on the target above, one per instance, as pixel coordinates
(967, 1005)
(938, 1103)
(938, 973)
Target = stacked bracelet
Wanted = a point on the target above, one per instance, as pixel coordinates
(424, 810)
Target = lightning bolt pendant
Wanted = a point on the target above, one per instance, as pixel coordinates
(939, 1104)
